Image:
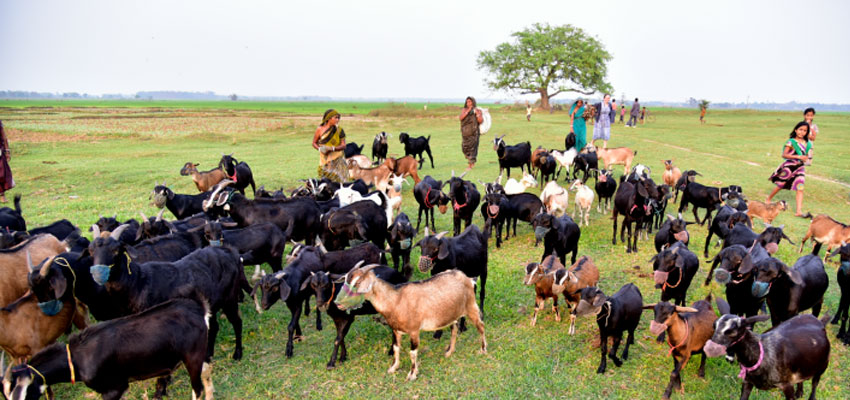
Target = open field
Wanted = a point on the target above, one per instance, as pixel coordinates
(76, 160)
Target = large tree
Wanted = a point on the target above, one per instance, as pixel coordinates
(548, 60)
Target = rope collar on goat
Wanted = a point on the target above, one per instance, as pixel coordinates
(233, 178)
(745, 370)
(70, 365)
(329, 224)
(330, 299)
(34, 370)
(427, 202)
(684, 341)
(607, 316)
(667, 285)
(457, 206)
(128, 264)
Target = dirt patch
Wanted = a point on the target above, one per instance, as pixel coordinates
(17, 135)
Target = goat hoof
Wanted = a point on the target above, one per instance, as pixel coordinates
(411, 376)
(600, 370)
(298, 338)
(330, 367)
(237, 354)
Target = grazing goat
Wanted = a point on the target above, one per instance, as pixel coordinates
(671, 173)
(411, 308)
(404, 167)
(429, 194)
(614, 315)
(584, 201)
(400, 238)
(516, 156)
(465, 199)
(107, 356)
(605, 187)
(559, 234)
(237, 171)
(824, 229)
(617, 156)
(767, 212)
(257, 244)
(689, 328)
(739, 285)
(379, 147)
(675, 229)
(723, 223)
(204, 181)
(416, 146)
(843, 278)
(789, 290)
(795, 351)
(633, 201)
(514, 187)
(180, 205)
(352, 149)
(555, 199)
(548, 279)
(12, 219)
(675, 268)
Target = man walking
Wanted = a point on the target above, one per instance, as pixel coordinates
(633, 114)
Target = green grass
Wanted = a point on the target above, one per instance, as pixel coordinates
(99, 164)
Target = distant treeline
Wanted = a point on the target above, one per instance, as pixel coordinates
(212, 96)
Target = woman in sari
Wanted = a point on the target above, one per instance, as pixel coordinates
(791, 174)
(6, 180)
(330, 141)
(578, 124)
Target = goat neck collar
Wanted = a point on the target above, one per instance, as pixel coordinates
(685, 340)
(745, 370)
(667, 285)
(458, 206)
(427, 202)
(71, 364)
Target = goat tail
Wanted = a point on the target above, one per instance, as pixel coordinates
(825, 319)
(18, 203)
(428, 139)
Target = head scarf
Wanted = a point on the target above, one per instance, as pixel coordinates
(328, 115)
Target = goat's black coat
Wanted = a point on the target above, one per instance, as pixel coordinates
(843, 278)
(700, 196)
(516, 156)
(666, 233)
(605, 189)
(352, 149)
(257, 244)
(379, 148)
(299, 217)
(496, 211)
(722, 224)
(182, 205)
(429, 194)
(743, 235)
(633, 201)
(616, 314)
(239, 172)
(465, 199)
(401, 234)
(561, 236)
(416, 146)
(794, 290)
(587, 163)
(739, 293)
(12, 218)
(681, 265)
(362, 220)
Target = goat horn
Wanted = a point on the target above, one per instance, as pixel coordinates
(686, 309)
(322, 248)
(29, 261)
(144, 217)
(95, 231)
(159, 216)
(359, 263)
(464, 173)
(118, 231)
(441, 234)
(649, 306)
(453, 173)
(427, 233)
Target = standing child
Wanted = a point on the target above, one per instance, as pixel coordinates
(791, 174)
(642, 115)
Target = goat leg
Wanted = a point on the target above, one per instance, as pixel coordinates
(603, 347)
(613, 353)
(162, 386)
(630, 340)
(538, 305)
(674, 378)
(414, 348)
(556, 311)
(396, 350)
(452, 342)
(572, 321)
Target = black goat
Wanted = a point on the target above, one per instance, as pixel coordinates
(13, 219)
(465, 199)
(726, 219)
(107, 356)
(263, 193)
(605, 187)
(524, 207)
(769, 238)
(496, 210)
(843, 278)
(400, 237)
(700, 196)
(559, 235)
(110, 224)
(660, 207)
(416, 146)
(153, 227)
(379, 148)
(237, 171)
(359, 221)
(61, 229)
(675, 268)
(633, 201)
(789, 290)
(587, 163)
(790, 353)
(352, 149)
(682, 182)
(162, 248)
(739, 291)
(673, 230)
(614, 315)
(257, 244)
(429, 194)
(516, 156)
(180, 205)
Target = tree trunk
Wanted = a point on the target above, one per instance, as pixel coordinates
(544, 98)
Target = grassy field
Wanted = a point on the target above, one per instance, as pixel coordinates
(76, 160)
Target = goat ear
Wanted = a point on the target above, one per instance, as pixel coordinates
(641, 189)
(746, 265)
(306, 283)
(686, 309)
(649, 306)
(757, 318)
(793, 274)
(599, 300)
(130, 250)
(285, 291)
(723, 306)
(444, 249)
(84, 253)
(59, 285)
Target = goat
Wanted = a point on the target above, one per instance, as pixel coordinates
(565, 160)
(361, 221)
(257, 244)
(671, 173)
(465, 199)
(700, 197)
(180, 205)
(580, 275)
(393, 192)
(428, 194)
(153, 227)
(559, 234)
(516, 156)
(400, 236)
(416, 146)
(379, 147)
(548, 279)
(617, 156)
(588, 163)
(237, 171)
(11, 218)
(789, 290)
(352, 149)
(739, 285)
(682, 182)
(204, 181)
(659, 206)
(794, 351)
(404, 167)
(107, 356)
(767, 212)
(523, 207)
(583, 200)
(61, 229)
(378, 176)
(632, 200)
(359, 159)
(824, 229)
(605, 187)
(496, 210)
(514, 187)
(675, 229)
(110, 224)
(675, 268)
(723, 223)
(544, 163)
(769, 238)
(843, 278)
(263, 193)
(555, 199)
(14, 268)
(690, 328)
(614, 315)
(412, 307)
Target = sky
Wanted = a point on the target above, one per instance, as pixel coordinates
(724, 51)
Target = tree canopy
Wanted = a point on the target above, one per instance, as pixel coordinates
(548, 60)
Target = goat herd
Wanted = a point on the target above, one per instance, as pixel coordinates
(157, 285)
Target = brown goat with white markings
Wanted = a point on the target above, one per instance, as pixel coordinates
(671, 173)
(13, 264)
(205, 180)
(688, 329)
(409, 308)
(825, 230)
(767, 212)
(548, 279)
(378, 176)
(582, 274)
(404, 167)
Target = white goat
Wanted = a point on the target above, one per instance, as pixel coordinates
(514, 187)
(347, 195)
(555, 199)
(583, 200)
(394, 192)
(565, 159)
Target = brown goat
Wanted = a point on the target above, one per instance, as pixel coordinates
(205, 180)
(378, 176)
(536, 157)
(548, 279)
(582, 274)
(688, 329)
(13, 264)
(825, 230)
(404, 167)
(767, 212)
(671, 173)
(617, 156)
(409, 308)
